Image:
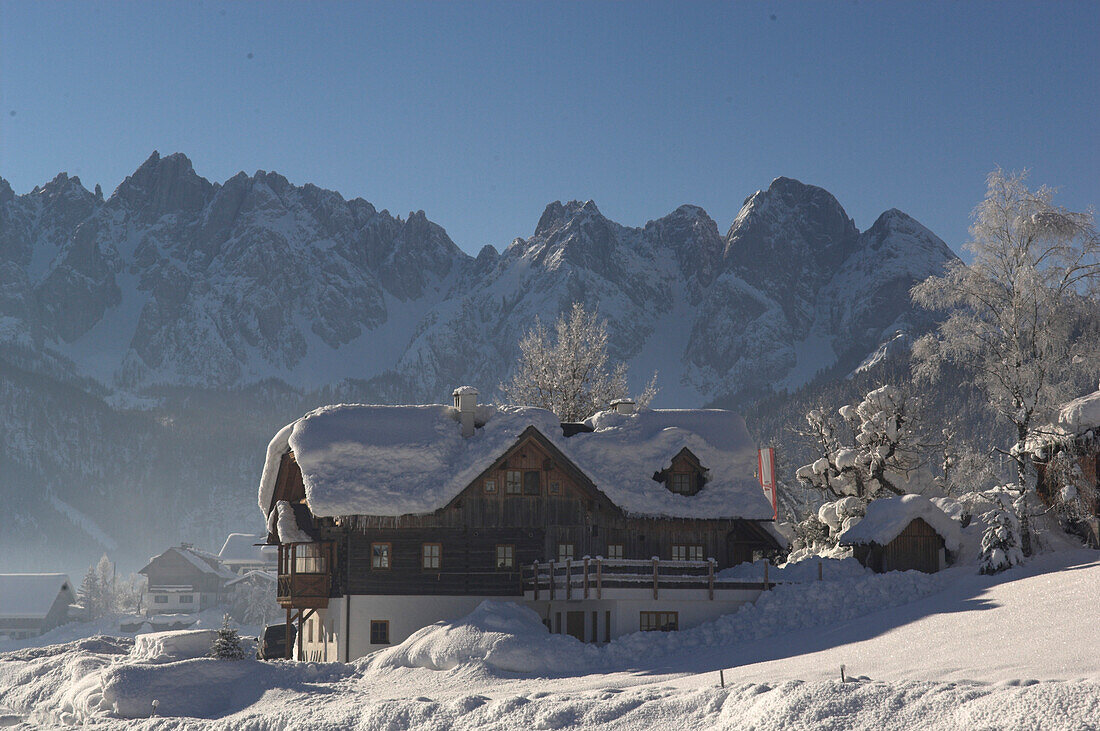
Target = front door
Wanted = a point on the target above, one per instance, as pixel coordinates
(574, 624)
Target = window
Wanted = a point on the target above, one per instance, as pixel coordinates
(531, 483)
(187, 599)
(681, 483)
(506, 557)
(614, 550)
(160, 599)
(659, 621)
(309, 558)
(490, 486)
(565, 551)
(431, 556)
(380, 555)
(513, 482)
(683, 552)
(555, 488)
(380, 631)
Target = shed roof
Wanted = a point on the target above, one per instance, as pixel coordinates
(31, 596)
(397, 460)
(886, 518)
(243, 548)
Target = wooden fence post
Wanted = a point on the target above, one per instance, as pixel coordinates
(568, 579)
(767, 586)
(710, 578)
(654, 577)
(586, 577)
(599, 581)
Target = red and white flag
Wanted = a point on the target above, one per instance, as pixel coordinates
(767, 478)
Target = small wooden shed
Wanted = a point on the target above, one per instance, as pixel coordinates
(902, 534)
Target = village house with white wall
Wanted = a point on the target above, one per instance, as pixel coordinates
(390, 518)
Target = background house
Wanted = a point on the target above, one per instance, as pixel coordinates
(903, 533)
(31, 604)
(184, 580)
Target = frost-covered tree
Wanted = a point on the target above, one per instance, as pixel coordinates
(569, 373)
(1018, 321)
(253, 602)
(884, 455)
(227, 645)
(98, 589)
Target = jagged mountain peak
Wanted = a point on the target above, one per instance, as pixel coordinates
(164, 184)
(558, 214)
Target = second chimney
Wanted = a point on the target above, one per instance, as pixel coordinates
(466, 403)
(624, 406)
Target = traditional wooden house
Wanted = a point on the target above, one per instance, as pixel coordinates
(184, 580)
(903, 533)
(1066, 456)
(390, 518)
(31, 604)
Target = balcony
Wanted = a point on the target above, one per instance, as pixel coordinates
(588, 578)
(305, 574)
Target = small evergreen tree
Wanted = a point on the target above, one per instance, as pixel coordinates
(227, 645)
(1000, 541)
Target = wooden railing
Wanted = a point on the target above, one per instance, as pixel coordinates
(305, 574)
(587, 578)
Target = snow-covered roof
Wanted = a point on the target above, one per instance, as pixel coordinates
(255, 574)
(206, 563)
(241, 548)
(30, 596)
(397, 460)
(1081, 414)
(886, 518)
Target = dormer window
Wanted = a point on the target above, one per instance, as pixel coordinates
(684, 475)
(681, 483)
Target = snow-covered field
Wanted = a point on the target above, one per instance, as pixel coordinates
(955, 650)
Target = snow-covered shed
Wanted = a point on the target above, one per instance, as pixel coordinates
(1066, 455)
(375, 507)
(185, 580)
(31, 604)
(903, 533)
(245, 552)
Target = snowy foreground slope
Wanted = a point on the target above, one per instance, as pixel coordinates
(955, 650)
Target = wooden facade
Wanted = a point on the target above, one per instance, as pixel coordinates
(531, 505)
(918, 547)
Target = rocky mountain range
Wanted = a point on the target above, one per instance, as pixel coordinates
(151, 341)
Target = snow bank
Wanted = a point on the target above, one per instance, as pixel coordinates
(887, 518)
(506, 636)
(396, 460)
(177, 645)
(799, 572)
(502, 635)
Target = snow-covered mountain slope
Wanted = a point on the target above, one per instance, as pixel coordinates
(151, 341)
(176, 281)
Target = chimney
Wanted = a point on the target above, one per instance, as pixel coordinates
(624, 406)
(466, 403)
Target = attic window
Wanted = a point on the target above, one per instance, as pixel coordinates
(680, 483)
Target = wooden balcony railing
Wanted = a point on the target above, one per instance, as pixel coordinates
(587, 578)
(305, 574)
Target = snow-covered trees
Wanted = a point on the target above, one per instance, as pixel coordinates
(884, 455)
(102, 593)
(227, 645)
(1017, 322)
(569, 373)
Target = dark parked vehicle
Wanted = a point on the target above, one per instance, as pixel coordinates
(272, 644)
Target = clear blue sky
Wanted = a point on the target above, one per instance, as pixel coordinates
(481, 113)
